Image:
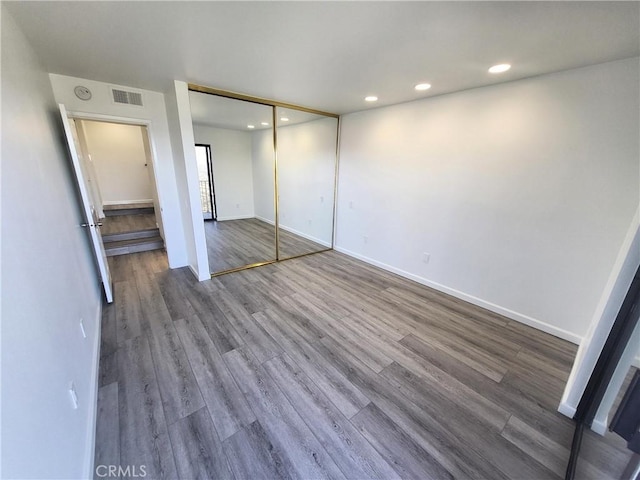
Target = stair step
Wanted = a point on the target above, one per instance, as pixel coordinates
(132, 235)
(123, 247)
(119, 206)
(128, 211)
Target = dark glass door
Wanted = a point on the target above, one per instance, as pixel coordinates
(205, 180)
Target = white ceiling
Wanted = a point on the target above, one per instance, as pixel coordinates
(325, 55)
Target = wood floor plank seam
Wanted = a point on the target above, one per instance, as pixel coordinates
(252, 455)
(389, 399)
(345, 396)
(159, 462)
(201, 454)
(299, 443)
(235, 416)
(345, 453)
(167, 399)
(385, 399)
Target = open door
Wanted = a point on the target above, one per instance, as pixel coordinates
(91, 222)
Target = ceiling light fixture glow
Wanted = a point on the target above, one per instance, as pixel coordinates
(251, 126)
(284, 119)
(423, 86)
(371, 98)
(265, 124)
(503, 67)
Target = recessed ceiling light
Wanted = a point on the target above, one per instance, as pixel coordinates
(371, 98)
(251, 126)
(266, 124)
(284, 119)
(423, 86)
(503, 67)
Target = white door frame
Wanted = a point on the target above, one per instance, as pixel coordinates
(99, 117)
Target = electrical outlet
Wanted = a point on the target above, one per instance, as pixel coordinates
(237, 205)
(365, 239)
(426, 257)
(351, 205)
(82, 330)
(321, 199)
(309, 222)
(73, 395)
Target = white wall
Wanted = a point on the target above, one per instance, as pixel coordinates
(186, 170)
(232, 170)
(155, 113)
(49, 282)
(521, 193)
(118, 156)
(263, 175)
(306, 172)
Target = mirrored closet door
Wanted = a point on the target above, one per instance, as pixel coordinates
(237, 182)
(267, 173)
(306, 181)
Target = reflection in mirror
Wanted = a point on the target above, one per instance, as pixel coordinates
(306, 145)
(236, 187)
(205, 181)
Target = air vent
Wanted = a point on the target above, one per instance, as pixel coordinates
(128, 98)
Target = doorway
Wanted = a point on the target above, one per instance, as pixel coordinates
(206, 183)
(121, 206)
(119, 170)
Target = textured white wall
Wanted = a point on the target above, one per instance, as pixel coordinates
(49, 282)
(521, 193)
(232, 170)
(118, 155)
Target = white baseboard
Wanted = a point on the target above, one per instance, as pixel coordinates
(237, 217)
(194, 271)
(518, 317)
(127, 202)
(296, 232)
(566, 409)
(265, 220)
(308, 237)
(93, 399)
(599, 426)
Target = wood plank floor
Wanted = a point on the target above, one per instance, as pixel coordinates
(127, 223)
(325, 367)
(236, 243)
